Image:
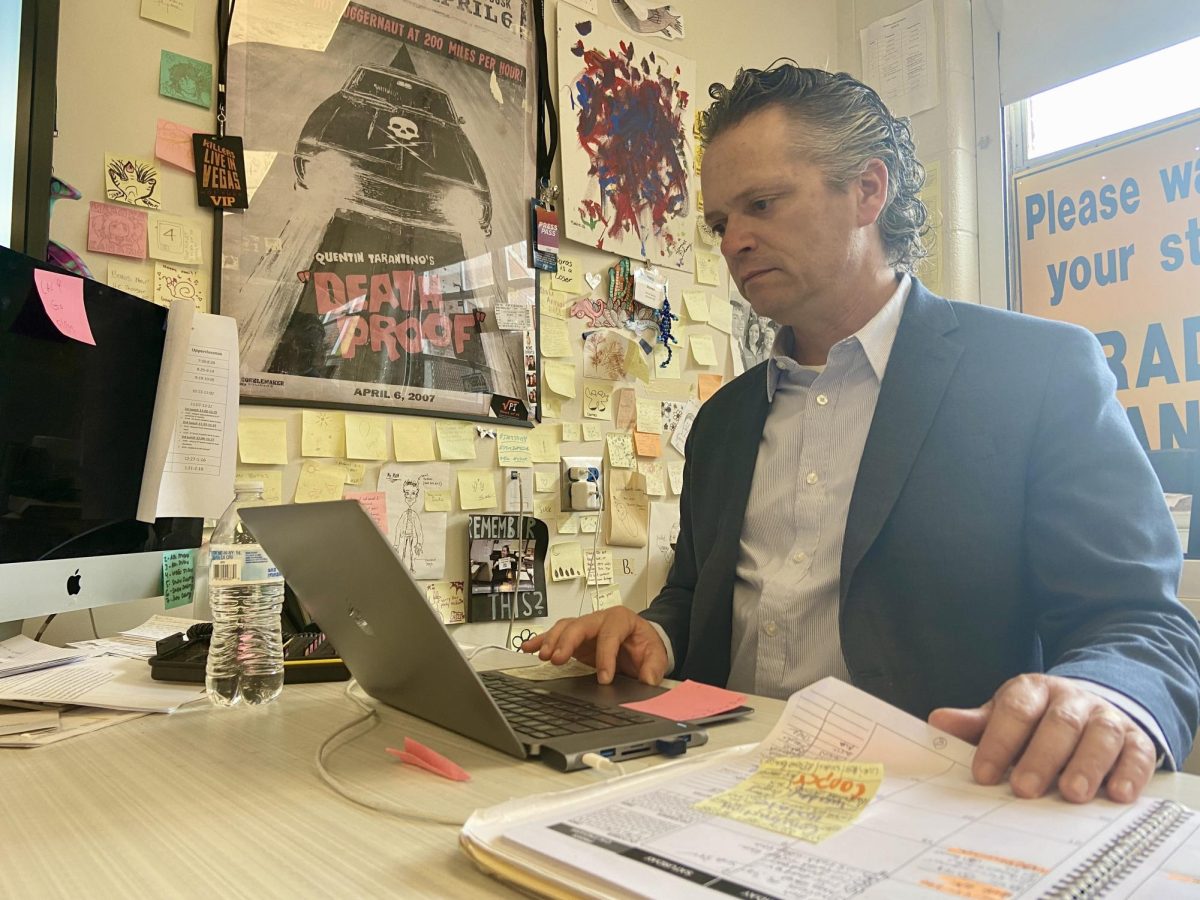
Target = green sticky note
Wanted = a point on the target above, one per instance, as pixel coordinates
(179, 574)
(186, 79)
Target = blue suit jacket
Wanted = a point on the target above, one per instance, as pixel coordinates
(1004, 520)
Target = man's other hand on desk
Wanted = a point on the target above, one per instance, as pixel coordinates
(611, 640)
(1050, 729)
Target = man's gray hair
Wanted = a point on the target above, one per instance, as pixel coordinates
(840, 125)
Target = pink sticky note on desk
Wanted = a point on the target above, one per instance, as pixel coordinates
(62, 297)
(417, 754)
(690, 700)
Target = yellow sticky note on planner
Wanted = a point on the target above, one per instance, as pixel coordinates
(476, 488)
(560, 377)
(592, 431)
(649, 416)
(599, 566)
(324, 433)
(512, 449)
(566, 561)
(353, 472)
(569, 277)
(263, 441)
(554, 337)
(272, 482)
(414, 440)
(620, 450)
(570, 432)
(437, 501)
(809, 799)
(696, 304)
(589, 524)
(366, 437)
(703, 350)
(720, 315)
(568, 525)
(456, 440)
(707, 271)
(543, 445)
(605, 597)
(318, 482)
(545, 482)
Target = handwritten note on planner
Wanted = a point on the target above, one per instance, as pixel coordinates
(809, 799)
(62, 298)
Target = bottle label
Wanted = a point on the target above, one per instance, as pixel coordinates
(241, 564)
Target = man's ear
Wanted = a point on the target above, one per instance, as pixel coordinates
(871, 188)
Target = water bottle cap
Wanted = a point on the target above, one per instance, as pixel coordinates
(248, 484)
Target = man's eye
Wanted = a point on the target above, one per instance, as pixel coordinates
(761, 205)
(719, 229)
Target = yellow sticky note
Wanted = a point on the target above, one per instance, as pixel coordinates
(319, 482)
(599, 566)
(560, 377)
(605, 597)
(568, 525)
(132, 278)
(324, 433)
(546, 507)
(696, 304)
(720, 315)
(352, 472)
(366, 437)
(554, 304)
(543, 446)
(566, 561)
(569, 277)
(262, 441)
(620, 450)
(272, 482)
(554, 337)
(649, 416)
(636, 363)
(414, 440)
(809, 799)
(512, 449)
(672, 370)
(545, 482)
(173, 283)
(589, 524)
(703, 350)
(476, 488)
(551, 405)
(675, 476)
(592, 431)
(437, 501)
(174, 240)
(596, 398)
(571, 432)
(456, 440)
(707, 270)
(652, 471)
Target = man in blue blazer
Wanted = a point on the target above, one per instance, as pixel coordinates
(940, 502)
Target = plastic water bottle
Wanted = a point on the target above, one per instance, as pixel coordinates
(245, 592)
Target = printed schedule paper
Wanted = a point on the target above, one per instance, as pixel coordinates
(929, 831)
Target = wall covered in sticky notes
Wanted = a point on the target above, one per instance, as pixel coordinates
(421, 477)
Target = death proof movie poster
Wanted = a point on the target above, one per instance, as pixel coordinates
(381, 262)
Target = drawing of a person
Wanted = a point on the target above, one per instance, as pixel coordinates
(409, 536)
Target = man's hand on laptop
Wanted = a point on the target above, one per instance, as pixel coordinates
(612, 640)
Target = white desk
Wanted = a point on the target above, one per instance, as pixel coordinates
(227, 803)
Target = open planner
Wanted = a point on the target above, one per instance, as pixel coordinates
(930, 830)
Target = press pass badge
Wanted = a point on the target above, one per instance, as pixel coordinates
(544, 224)
(220, 171)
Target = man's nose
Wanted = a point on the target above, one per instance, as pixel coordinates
(736, 239)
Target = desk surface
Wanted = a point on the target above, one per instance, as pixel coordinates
(228, 803)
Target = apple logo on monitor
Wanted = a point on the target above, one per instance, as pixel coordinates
(73, 583)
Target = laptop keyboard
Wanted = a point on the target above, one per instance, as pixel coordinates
(538, 713)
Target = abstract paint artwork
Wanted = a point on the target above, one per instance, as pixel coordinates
(626, 107)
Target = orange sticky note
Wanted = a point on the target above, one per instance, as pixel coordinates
(417, 754)
(690, 700)
(62, 298)
(647, 444)
(707, 385)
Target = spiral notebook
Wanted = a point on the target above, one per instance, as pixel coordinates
(930, 831)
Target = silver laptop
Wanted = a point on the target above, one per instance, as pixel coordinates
(348, 577)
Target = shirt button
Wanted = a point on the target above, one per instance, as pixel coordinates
(822, 400)
(771, 629)
(811, 477)
(799, 557)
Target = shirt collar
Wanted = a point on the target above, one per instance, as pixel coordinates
(876, 338)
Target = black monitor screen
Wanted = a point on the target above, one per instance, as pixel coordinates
(75, 422)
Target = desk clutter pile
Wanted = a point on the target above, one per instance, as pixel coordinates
(48, 694)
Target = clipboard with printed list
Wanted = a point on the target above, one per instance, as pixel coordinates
(929, 831)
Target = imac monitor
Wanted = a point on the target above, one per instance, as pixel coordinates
(74, 427)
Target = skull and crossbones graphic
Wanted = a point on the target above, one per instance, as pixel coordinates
(401, 132)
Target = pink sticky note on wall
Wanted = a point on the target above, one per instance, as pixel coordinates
(173, 144)
(374, 502)
(119, 230)
(62, 297)
(690, 700)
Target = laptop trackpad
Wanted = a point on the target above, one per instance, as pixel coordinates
(585, 687)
